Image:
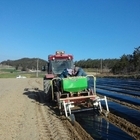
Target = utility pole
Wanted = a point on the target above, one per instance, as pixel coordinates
(101, 66)
(37, 68)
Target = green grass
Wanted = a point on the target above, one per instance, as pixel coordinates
(8, 70)
(14, 74)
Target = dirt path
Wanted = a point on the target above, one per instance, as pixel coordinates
(24, 114)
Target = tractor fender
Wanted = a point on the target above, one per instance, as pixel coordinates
(49, 76)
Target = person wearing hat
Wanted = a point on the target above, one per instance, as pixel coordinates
(78, 71)
(66, 73)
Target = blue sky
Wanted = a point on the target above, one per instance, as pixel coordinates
(85, 28)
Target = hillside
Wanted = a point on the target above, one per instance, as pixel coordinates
(127, 64)
(26, 63)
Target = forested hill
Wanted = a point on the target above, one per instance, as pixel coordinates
(26, 63)
(31, 63)
(126, 64)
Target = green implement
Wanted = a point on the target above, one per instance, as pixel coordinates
(74, 84)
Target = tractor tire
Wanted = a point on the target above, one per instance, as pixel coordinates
(46, 84)
(47, 89)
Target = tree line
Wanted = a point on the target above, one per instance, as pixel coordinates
(127, 63)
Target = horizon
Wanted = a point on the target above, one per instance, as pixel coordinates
(47, 59)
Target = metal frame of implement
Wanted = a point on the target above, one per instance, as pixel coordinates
(67, 103)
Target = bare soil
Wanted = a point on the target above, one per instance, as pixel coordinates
(130, 128)
(25, 114)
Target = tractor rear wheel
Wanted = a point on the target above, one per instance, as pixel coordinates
(47, 88)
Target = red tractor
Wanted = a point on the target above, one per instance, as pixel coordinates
(56, 64)
(70, 94)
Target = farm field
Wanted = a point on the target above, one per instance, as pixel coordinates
(123, 121)
(25, 114)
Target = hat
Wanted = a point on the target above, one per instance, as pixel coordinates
(70, 71)
(76, 69)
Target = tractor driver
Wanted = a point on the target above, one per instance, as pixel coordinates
(66, 73)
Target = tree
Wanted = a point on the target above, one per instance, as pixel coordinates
(136, 59)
